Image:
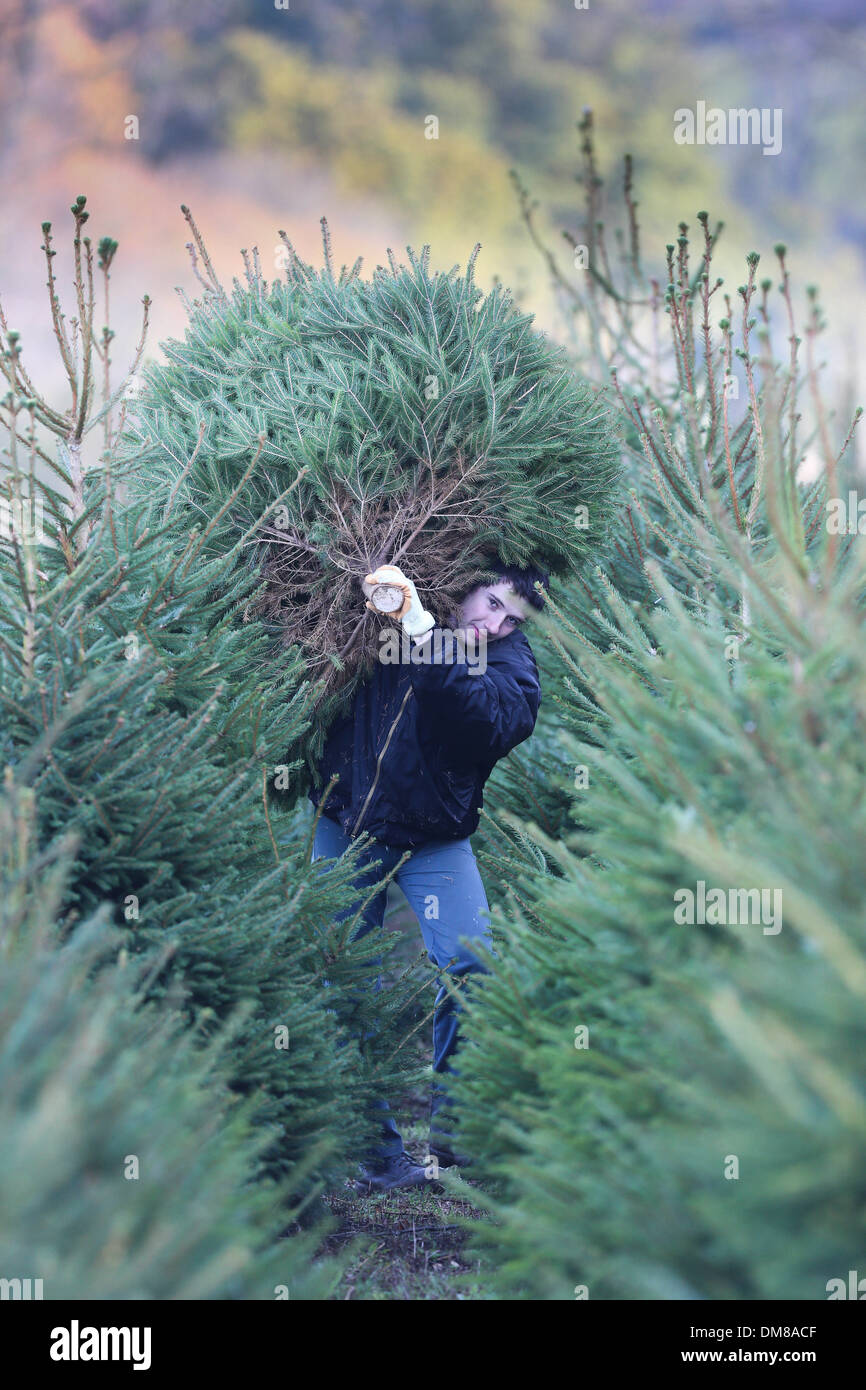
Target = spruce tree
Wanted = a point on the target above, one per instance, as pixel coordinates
(675, 1108)
(135, 708)
(127, 1160)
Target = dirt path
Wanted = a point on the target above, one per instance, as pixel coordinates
(407, 1245)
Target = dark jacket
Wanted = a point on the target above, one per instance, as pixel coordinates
(420, 741)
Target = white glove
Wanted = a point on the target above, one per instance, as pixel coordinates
(415, 619)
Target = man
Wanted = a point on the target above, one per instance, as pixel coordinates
(413, 754)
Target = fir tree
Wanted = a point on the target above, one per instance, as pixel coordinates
(135, 708)
(127, 1160)
(676, 1110)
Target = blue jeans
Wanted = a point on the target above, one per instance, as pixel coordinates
(443, 887)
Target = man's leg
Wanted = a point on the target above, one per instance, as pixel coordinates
(330, 842)
(444, 888)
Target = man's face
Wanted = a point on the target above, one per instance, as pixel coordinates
(494, 609)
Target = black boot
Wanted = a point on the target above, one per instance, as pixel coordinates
(396, 1172)
(447, 1158)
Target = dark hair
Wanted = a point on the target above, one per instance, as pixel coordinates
(522, 580)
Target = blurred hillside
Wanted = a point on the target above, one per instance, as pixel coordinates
(261, 118)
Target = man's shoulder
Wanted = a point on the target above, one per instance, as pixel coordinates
(512, 650)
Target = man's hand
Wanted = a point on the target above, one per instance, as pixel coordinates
(415, 619)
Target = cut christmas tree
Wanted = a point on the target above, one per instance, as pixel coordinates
(332, 424)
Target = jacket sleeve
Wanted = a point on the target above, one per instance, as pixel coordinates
(478, 717)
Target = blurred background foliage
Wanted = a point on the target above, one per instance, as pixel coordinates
(261, 118)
